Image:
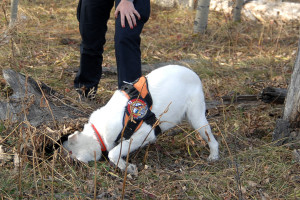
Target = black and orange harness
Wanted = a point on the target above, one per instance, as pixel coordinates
(137, 111)
(138, 108)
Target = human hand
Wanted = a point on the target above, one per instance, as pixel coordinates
(127, 10)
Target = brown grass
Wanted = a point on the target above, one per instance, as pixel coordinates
(230, 58)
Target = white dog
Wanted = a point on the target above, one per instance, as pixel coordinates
(172, 85)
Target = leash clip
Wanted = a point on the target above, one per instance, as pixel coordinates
(130, 83)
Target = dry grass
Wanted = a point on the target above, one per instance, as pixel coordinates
(241, 58)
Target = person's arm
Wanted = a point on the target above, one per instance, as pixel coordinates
(128, 12)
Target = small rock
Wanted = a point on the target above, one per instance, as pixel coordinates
(252, 183)
(296, 155)
(129, 176)
(3, 156)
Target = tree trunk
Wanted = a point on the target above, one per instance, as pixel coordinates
(13, 12)
(201, 18)
(292, 105)
(237, 10)
(291, 116)
(192, 4)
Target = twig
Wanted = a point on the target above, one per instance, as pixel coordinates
(11, 132)
(4, 11)
(72, 100)
(194, 132)
(95, 179)
(63, 177)
(232, 160)
(121, 144)
(19, 166)
(237, 177)
(277, 40)
(146, 154)
(34, 172)
(54, 121)
(153, 127)
(75, 188)
(35, 156)
(134, 185)
(52, 174)
(125, 174)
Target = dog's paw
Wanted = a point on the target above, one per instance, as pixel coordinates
(212, 158)
(132, 169)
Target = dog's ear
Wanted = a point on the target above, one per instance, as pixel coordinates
(73, 138)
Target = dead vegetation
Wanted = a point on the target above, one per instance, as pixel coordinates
(231, 58)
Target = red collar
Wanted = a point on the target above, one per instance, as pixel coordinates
(102, 145)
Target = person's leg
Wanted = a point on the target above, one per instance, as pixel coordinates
(127, 44)
(92, 16)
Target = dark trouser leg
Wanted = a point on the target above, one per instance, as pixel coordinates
(127, 44)
(92, 16)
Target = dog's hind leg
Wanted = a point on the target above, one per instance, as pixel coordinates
(196, 116)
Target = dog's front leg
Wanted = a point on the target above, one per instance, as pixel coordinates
(122, 148)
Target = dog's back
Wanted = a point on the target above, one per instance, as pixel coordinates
(182, 89)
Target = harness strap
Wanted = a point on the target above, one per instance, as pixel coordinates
(138, 91)
(151, 120)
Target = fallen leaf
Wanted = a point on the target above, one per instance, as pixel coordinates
(252, 183)
(3, 156)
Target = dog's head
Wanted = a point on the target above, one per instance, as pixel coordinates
(82, 147)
